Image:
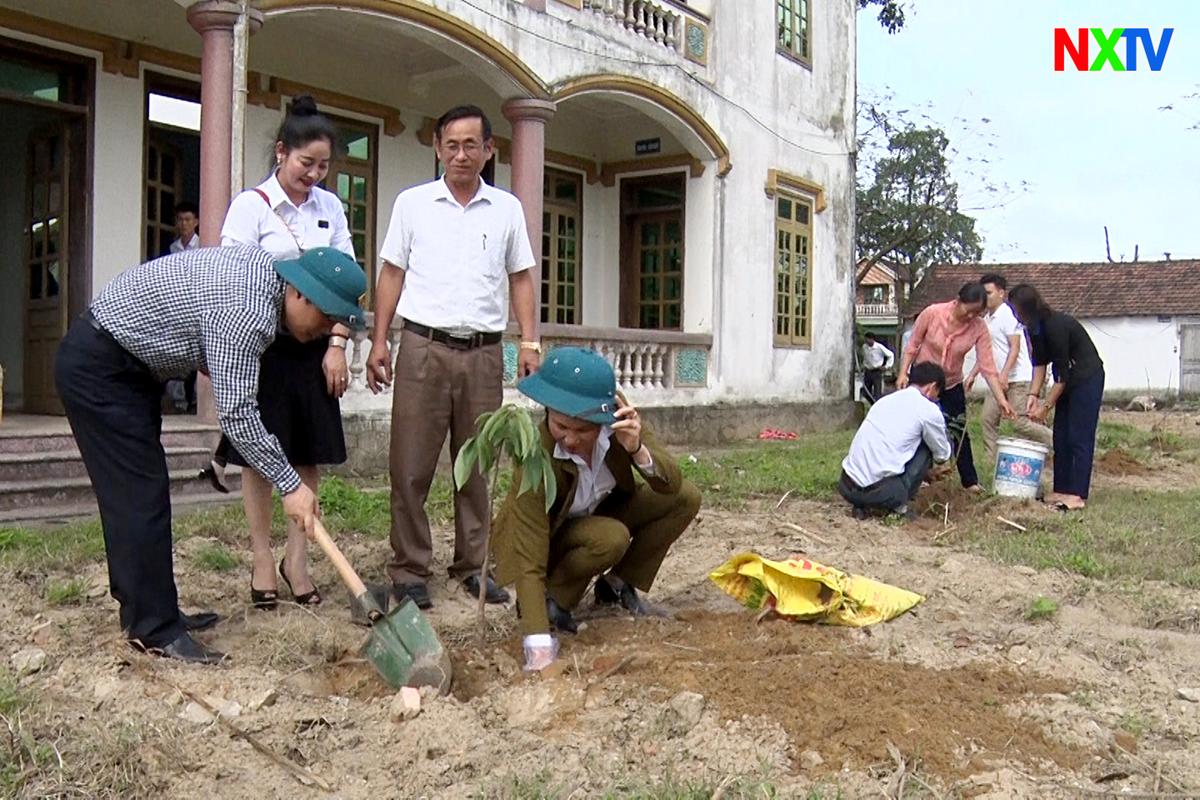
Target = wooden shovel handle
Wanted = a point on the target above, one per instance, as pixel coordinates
(319, 535)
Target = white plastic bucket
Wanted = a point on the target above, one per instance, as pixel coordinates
(1019, 464)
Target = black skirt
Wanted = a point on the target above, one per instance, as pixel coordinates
(296, 405)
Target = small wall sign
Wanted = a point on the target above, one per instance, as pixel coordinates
(645, 147)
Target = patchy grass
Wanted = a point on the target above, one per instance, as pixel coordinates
(1133, 723)
(1124, 535)
(216, 557)
(808, 467)
(543, 787)
(51, 549)
(1041, 608)
(66, 593)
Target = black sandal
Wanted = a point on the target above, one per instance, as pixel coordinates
(312, 598)
(263, 599)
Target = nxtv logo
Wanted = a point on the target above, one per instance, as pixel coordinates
(1106, 44)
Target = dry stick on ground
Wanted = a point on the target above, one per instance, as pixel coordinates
(1012, 524)
(304, 775)
(785, 497)
(613, 670)
(804, 531)
(1147, 766)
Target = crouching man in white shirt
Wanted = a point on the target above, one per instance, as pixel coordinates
(902, 437)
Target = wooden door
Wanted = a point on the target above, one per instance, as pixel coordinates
(47, 263)
(653, 271)
(164, 185)
(1189, 360)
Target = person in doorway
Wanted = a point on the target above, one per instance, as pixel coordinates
(216, 310)
(1015, 372)
(289, 214)
(604, 523)
(944, 333)
(452, 248)
(187, 227)
(1059, 340)
(902, 437)
(876, 359)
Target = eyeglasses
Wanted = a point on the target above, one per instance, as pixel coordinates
(471, 149)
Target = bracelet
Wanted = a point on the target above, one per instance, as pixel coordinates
(337, 341)
(534, 346)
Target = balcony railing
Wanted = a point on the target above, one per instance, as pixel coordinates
(664, 22)
(645, 361)
(869, 310)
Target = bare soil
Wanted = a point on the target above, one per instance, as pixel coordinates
(979, 700)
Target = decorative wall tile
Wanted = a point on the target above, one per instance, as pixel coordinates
(691, 367)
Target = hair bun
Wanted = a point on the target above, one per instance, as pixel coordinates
(304, 106)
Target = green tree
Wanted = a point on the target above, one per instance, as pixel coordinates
(908, 205)
(891, 13)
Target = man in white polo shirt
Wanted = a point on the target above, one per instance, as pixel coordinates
(1012, 363)
(896, 445)
(455, 251)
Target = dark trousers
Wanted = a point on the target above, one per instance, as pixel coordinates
(1076, 416)
(112, 403)
(893, 492)
(873, 383)
(953, 403)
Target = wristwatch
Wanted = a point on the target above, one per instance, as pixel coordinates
(534, 346)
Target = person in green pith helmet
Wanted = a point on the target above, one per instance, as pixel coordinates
(604, 523)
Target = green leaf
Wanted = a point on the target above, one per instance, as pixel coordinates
(487, 455)
(464, 465)
(530, 476)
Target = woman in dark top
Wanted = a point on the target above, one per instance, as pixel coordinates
(1059, 340)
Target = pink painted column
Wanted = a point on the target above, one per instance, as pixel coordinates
(528, 117)
(214, 20)
(536, 5)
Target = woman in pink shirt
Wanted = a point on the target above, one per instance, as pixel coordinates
(944, 333)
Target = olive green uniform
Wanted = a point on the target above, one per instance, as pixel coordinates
(549, 554)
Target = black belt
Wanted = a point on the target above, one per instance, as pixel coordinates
(88, 317)
(450, 340)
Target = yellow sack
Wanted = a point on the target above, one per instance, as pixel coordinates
(810, 591)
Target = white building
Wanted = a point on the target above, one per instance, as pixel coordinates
(686, 167)
(1143, 317)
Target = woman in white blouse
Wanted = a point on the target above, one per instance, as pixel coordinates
(299, 384)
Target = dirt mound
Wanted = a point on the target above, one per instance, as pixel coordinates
(1121, 463)
(817, 685)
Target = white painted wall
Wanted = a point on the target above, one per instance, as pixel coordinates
(1140, 354)
(117, 177)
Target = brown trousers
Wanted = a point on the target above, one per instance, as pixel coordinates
(437, 389)
(631, 536)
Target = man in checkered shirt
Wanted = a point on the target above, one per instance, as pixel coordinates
(210, 309)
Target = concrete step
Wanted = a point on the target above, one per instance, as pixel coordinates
(48, 516)
(58, 493)
(60, 464)
(60, 440)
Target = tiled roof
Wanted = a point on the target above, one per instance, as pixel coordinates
(1145, 288)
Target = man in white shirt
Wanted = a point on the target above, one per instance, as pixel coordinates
(187, 228)
(876, 359)
(901, 438)
(1012, 362)
(455, 251)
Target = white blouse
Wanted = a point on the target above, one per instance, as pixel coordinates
(282, 228)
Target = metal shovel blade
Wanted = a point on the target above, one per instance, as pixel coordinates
(405, 651)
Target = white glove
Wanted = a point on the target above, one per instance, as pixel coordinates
(540, 651)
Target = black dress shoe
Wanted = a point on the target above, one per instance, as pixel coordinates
(560, 619)
(627, 596)
(184, 648)
(417, 592)
(494, 593)
(200, 621)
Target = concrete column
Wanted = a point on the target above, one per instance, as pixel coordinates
(528, 117)
(215, 20)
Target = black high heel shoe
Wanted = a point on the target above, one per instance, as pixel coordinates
(312, 598)
(263, 599)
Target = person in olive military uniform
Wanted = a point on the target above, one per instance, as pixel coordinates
(604, 523)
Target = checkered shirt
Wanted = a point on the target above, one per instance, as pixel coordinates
(213, 309)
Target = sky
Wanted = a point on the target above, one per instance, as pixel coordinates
(1094, 147)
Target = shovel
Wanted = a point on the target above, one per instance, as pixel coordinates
(402, 646)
